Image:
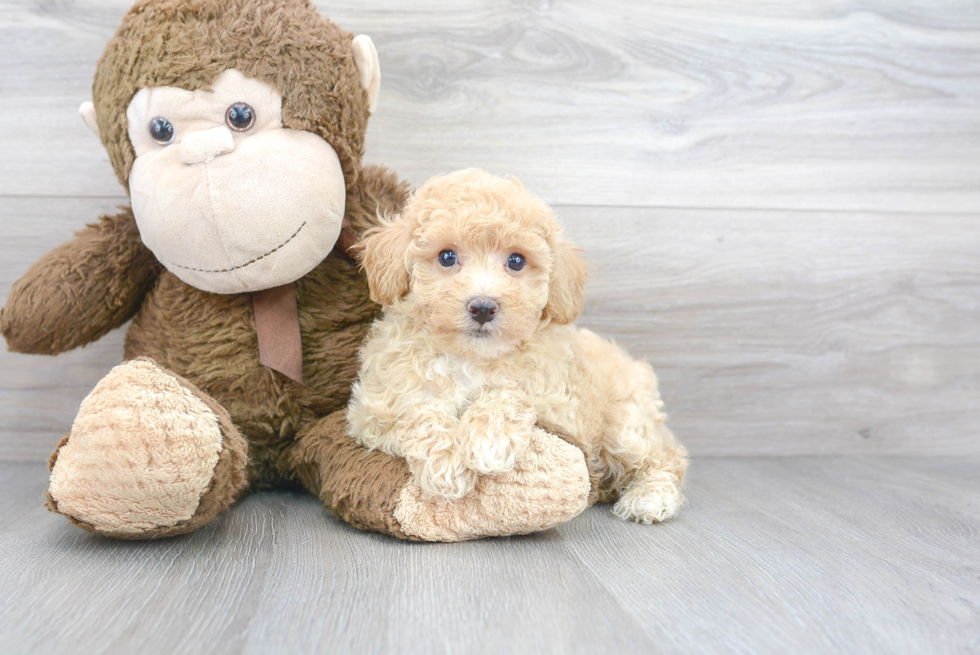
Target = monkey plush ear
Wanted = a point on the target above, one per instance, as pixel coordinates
(366, 60)
(566, 290)
(382, 254)
(87, 112)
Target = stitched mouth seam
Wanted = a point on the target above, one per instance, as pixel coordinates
(235, 268)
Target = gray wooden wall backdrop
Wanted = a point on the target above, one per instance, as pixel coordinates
(782, 199)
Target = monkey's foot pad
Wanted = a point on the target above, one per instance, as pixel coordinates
(146, 456)
(549, 486)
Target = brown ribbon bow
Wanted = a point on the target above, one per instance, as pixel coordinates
(277, 320)
(277, 327)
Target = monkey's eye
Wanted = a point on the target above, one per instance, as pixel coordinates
(447, 258)
(161, 130)
(516, 262)
(240, 117)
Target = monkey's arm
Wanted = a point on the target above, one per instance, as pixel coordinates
(81, 290)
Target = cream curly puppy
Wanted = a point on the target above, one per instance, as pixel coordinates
(475, 348)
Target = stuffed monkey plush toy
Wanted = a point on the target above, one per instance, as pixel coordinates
(237, 129)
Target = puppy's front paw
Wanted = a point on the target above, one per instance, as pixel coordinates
(443, 474)
(491, 454)
(494, 440)
(649, 503)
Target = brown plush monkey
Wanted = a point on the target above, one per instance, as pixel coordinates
(238, 128)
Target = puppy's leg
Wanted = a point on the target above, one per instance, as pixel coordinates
(652, 492)
(494, 432)
(643, 457)
(429, 445)
(419, 429)
(427, 441)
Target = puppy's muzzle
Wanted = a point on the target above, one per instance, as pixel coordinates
(482, 309)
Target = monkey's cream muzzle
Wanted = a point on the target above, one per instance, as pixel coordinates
(226, 210)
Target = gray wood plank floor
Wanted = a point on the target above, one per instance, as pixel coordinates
(771, 555)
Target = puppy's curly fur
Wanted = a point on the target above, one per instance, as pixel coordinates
(476, 348)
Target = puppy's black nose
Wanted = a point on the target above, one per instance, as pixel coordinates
(483, 309)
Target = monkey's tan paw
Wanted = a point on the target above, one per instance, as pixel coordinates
(148, 455)
(548, 486)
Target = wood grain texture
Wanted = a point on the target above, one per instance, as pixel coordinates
(796, 332)
(39, 396)
(773, 332)
(801, 555)
(852, 105)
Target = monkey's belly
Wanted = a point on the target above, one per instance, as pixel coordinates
(210, 340)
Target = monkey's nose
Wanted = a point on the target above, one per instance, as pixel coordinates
(482, 309)
(204, 145)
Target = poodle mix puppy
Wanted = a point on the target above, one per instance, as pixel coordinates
(475, 349)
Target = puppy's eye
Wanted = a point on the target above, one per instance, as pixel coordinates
(447, 258)
(516, 262)
(161, 130)
(240, 117)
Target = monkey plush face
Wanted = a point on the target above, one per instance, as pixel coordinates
(238, 128)
(225, 197)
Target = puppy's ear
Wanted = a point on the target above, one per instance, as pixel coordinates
(382, 254)
(566, 290)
